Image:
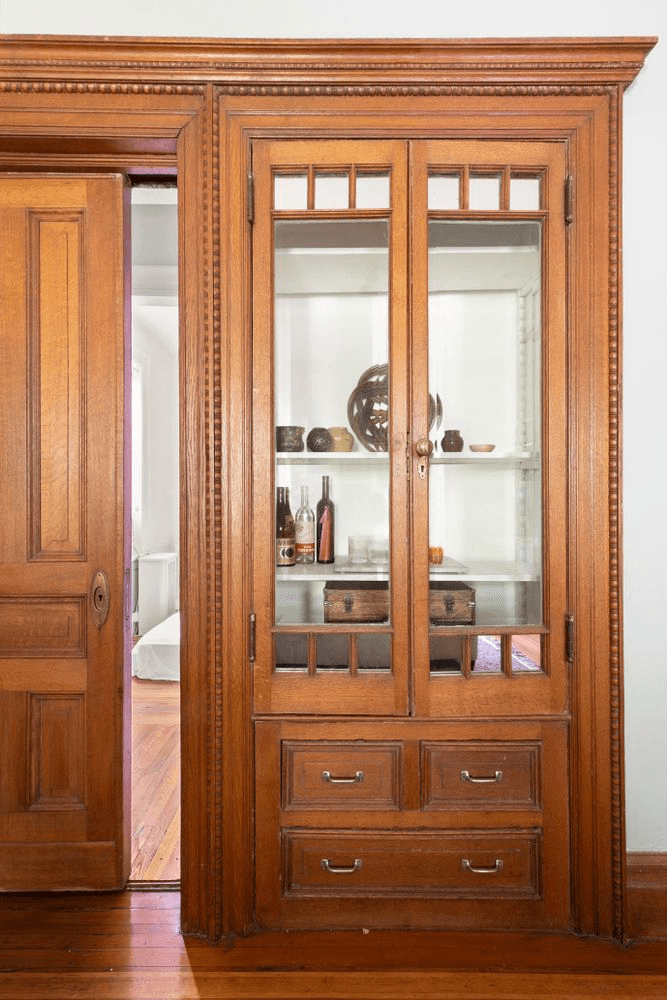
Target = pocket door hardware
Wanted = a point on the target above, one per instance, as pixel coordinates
(100, 598)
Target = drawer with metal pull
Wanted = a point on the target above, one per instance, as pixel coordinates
(321, 775)
(481, 774)
(403, 863)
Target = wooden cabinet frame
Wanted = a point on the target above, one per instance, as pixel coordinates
(192, 106)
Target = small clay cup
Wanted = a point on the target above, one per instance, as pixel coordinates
(341, 438)
(319, 439)
(289, 437)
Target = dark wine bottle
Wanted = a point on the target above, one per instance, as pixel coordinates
(285, 530)
(325, 525)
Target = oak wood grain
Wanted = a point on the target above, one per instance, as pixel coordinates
(127, 946)
(156, 802)
(145, 104)
(62, 444)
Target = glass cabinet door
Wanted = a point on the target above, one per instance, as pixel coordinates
(330, 420)
(409, 427)
(490, 336)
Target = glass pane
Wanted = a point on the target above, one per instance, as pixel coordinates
(332, 191)
(291, 652)
(332, 652)
(372, 191)
(525, 194)
(290, 192)
(526, 653)
(447, 653)
(485, 484)
(373, 652)
(488, 655)
(484, 192)
(331, 408)
(443, 192)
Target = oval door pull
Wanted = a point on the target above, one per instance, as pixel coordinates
(100, 598)
(357, 779)
(468, 866)
(325, 863)
(467, 776)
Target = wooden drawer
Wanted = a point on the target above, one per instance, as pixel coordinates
(341, 775)
(368, 601)
(425, 863)
(481, 775)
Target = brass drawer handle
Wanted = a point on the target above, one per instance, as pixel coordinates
(467, 866)
(341, 869)
(357, 779)
(467, 776)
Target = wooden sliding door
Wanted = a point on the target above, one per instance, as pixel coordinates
(64, 806)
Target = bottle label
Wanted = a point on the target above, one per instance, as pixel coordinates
(285, 552)
(305, 538)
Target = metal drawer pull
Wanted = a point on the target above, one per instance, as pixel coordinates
(341, 869)
(467, 776)
(357, 779)
(468, 866)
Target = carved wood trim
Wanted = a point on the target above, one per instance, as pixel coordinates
(214, 419)
(608, 60)
(615, 577)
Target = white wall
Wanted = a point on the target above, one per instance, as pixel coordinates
(645, 283)
(158, 531)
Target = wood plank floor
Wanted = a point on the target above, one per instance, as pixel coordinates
(127, 946)
(156, 787)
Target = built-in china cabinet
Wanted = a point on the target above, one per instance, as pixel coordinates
(400, 543)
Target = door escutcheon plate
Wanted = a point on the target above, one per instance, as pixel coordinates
(99, 598)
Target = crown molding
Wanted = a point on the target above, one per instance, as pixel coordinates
(511, 61)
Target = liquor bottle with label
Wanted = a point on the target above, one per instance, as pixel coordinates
(285, 531)
(305, 531)
(325, 525)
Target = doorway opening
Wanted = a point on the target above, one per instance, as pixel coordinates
(155, 681)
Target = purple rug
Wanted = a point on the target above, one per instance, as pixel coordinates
(488, 657)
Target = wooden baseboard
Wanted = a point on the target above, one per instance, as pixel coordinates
(647, 895)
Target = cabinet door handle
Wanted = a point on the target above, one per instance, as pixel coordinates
(491, 780)
(356, 779)
(467, 866)
(325, 863)
(423, 447)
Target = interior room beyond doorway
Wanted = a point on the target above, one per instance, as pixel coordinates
(156, 815)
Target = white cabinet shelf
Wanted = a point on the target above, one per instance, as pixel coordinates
(518, 460)
(478, 571)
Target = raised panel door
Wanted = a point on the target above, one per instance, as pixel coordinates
(64, 810)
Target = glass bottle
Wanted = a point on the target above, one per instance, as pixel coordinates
(325, 525)
(305, 531)
(285, 532)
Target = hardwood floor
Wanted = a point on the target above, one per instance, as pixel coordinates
(156, 790)
(126, 946)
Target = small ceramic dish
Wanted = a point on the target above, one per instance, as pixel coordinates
(481, 447)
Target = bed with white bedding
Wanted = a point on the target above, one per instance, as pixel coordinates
(157, 654)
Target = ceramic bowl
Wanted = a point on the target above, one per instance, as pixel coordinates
(481, 447)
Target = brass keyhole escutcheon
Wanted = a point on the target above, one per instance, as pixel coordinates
(423, 447)
(100, 598)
